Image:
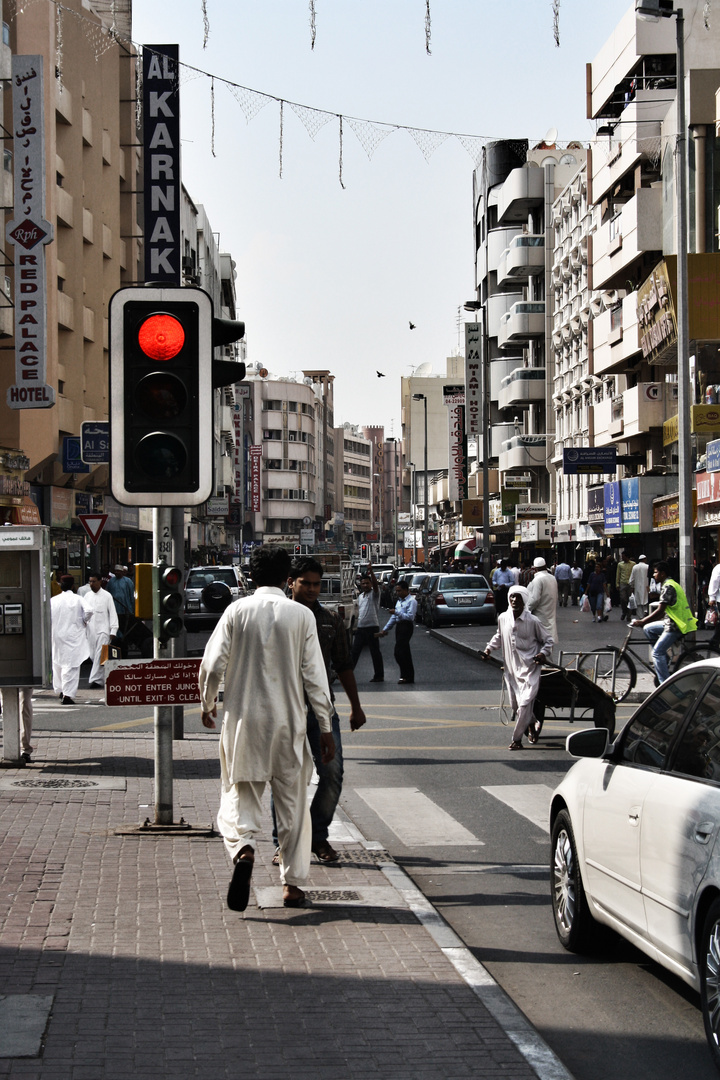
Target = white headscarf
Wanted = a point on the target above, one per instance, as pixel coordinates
(522, 591)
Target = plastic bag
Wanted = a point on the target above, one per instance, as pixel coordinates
(632, 603)
(585, 606)
(711, 618)
(607, 605)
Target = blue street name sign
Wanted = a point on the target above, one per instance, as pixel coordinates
(713, 456)
(590, 459)
(95, 442)
(71, 458)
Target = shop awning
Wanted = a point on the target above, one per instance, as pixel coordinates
(465, 548)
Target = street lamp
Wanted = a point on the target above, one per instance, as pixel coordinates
(378, 477)
(423, 398)
(653, 10)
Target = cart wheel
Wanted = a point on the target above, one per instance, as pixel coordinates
(598, 669)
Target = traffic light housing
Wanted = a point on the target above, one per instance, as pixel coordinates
(168, 602)
(161, 396)
(363, 551)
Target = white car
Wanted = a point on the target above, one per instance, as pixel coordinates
(634, 829)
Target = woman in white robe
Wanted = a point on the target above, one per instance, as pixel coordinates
(525, 643)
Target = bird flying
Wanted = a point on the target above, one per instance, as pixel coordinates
(380, 375)
(411, 325)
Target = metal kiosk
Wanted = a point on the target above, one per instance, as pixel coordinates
(25, 649)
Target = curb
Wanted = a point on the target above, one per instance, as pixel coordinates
(527, 1040)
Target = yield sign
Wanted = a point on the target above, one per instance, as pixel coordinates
(93, 524)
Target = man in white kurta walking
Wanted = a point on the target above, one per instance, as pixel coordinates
(639, 586)
(268, 649)
(102, 628)
(525, 643)
(68, 620)
(543, 597)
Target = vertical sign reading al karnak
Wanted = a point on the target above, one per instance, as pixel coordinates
(161, 163)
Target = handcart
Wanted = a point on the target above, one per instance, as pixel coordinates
(563, 688)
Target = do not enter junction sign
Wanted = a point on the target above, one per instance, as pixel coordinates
(152, 682)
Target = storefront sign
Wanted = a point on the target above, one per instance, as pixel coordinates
(613, 507)
(161, 161)
(510, 482)
(657, 326)
(708, 487)
(62, 504)
(217, 506)
(473, 379)
(589, 459)
(596, 506)
(472, 512)
(29, 232)
(666, 512)
(704, 420)
(457, 473)
(72, 461)
(532, 512)
(508, 501)
(453, 395)
(255, 492)
(630, 498)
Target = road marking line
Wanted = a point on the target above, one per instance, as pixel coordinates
(416, 820)
(532, 801)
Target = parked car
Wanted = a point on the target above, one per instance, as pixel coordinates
(414, 581)
(634, 829)
(456, 598)
(423, 596)
(208, 591)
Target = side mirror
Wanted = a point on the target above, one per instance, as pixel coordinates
(588, 743)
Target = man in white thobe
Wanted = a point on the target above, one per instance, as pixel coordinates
(638, 583)
(268, 649)
(543, 597)
(68, 620)
(102, 628)
(525, 643)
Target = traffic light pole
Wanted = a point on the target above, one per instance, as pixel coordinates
(162, 553)
(178, 645)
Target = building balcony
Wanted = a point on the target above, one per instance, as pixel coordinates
(64, 207)
(65, 311)
(525, 320)
(499, 435)
(615, 337)
(63, 103)
(644, 407)
(523, 190)
(523, 452)
(499, 370)
(498, 305)
(522, 388)
(498, 242)
(623, 239)
(524, 257)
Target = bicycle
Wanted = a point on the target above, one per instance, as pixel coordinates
(619, 676)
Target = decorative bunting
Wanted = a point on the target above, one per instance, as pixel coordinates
(282, 120)
(706, 15)
(368, 134)
(428, 141)
(556, 22)
(341, 153)
(427, 27)
(250, 101)
(474, 146)
(212, 117)
(312, 119)
(206, 24)
(59, 46)
(312, 24)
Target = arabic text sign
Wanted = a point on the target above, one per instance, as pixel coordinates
(713, 456)
(152, 682)
(29, 232)
(589, 459)
(95, 442)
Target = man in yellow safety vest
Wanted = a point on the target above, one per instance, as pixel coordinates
(670, 621)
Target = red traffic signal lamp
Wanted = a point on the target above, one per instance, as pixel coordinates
(167, 602)
(161, 396)
(363, 551)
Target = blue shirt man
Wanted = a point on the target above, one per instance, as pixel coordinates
(403, 619)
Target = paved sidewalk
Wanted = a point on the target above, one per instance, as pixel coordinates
(119, 958)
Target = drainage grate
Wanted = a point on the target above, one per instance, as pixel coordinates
(55, 783)
(363, 857)
(319, 895)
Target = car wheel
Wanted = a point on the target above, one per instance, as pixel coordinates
(709, 964)
(573, 922)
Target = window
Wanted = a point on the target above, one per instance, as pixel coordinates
(292, 406)
(8, 160)
(272, 434)
(5, 34)
(698, 752)
(275, 406)
(646, 740)
(292, 436)
(273, 493)
(273, 463)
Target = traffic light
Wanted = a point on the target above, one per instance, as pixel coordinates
(161, 396)
(298, 549)
(168, 602)
(363, 551)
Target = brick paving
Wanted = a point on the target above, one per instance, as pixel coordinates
(152, 976)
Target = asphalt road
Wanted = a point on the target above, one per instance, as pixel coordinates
(430, 776)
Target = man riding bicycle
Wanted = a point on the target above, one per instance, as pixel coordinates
(670, 621)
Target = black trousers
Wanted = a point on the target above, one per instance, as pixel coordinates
(403, 656)
(365, 635)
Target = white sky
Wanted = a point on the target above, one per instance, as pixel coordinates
(328, 278)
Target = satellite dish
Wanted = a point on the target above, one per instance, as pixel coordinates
(551, 135)
(423, 370)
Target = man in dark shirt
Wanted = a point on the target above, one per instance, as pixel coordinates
(304, 584)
